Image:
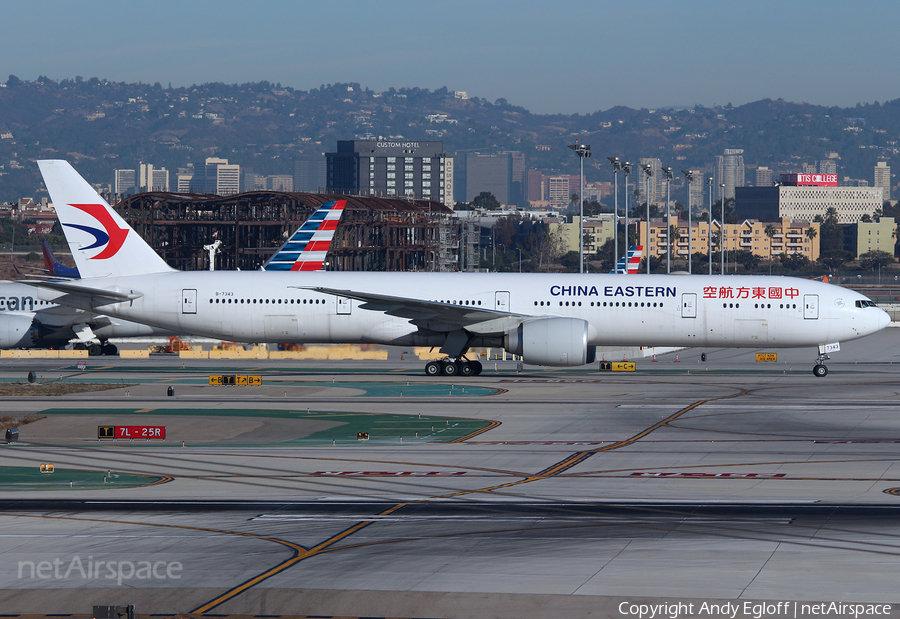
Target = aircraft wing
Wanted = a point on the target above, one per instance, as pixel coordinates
(432, 315)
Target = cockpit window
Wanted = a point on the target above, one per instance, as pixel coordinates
(865, 303)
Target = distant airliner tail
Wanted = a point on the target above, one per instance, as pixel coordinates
(102, 244)
(308, 246)
(52, 266)
(631, 261)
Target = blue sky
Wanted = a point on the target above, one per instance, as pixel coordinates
(549, 57)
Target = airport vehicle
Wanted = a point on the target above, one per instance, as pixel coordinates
(548, 319)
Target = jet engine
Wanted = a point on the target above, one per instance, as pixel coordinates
(551, 341)
(18, 331)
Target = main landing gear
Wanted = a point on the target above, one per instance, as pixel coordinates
(819, 368)
(453, 367)
(95, 349)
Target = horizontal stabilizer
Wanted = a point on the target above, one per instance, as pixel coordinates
(85, 291)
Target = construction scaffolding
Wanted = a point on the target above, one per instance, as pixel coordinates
(375, 234)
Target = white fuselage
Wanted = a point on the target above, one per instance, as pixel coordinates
(632, 310)
(27, 321)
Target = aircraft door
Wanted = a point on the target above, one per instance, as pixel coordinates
(343, 305)
(689, 305)
(501, 301)
(811, 306)
(189, 301)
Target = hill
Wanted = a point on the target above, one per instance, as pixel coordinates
(101, 125)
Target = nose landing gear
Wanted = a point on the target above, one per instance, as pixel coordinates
(819, 369)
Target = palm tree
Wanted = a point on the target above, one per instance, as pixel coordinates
(674, 237)
(770, 232)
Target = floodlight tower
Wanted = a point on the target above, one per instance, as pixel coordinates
(668, 172)
(709, 232)
(626, 168)
(648, 174)
(689, 174)
(582, 150)
(617, 165)
(722, 185)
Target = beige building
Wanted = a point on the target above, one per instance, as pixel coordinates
(790, 237)
(875, 236)
(851, 203)
(597, 229)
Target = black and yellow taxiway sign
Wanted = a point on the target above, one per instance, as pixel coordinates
(617, 366)
(235, 379)
(106, 431)
(766, 356)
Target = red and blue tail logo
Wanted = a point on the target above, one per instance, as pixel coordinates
(308, 246)
(112, 236)
(631, 261)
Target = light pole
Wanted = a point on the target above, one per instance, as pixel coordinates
(617, 165)
(722, 185)
(690, 178)
(668, 172)
(709, 232)
(648, 173)
(582, 150)
(626, 168)
(520, 259)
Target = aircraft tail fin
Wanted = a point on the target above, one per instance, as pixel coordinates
(631, 261)
(102, 244)
(52, 266)
(306, 249)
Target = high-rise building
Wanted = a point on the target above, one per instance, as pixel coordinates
(803, 197)
(809, 168)
(657, 181)
(828, 166)
(125, 181)
(310, 174)
(730, 172)
(152, 178)
(883, 179)
(280, 182)
(410, 169)
(216, 175)
(764, 176)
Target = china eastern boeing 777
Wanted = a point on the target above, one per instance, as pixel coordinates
(548, 319)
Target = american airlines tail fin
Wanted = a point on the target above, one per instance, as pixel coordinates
(307, 247)
(102, 244)
(52, 266)
(631, 261)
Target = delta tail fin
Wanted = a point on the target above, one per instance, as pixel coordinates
(308, 246)
(102, 244)
(53, 267)
(631, 261)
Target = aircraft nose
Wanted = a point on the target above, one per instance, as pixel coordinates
(884, 319)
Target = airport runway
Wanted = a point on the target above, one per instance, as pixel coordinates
(545, 493)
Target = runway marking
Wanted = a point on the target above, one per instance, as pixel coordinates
(392, 473)
(709, 475)
(300, 555)
(893, 491)
(491, 426)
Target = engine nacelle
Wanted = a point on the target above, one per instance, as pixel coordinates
(551, 341)
(18, 330)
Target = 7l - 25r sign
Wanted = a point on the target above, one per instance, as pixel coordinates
(132, 432)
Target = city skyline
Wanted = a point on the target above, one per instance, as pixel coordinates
(575, 58)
